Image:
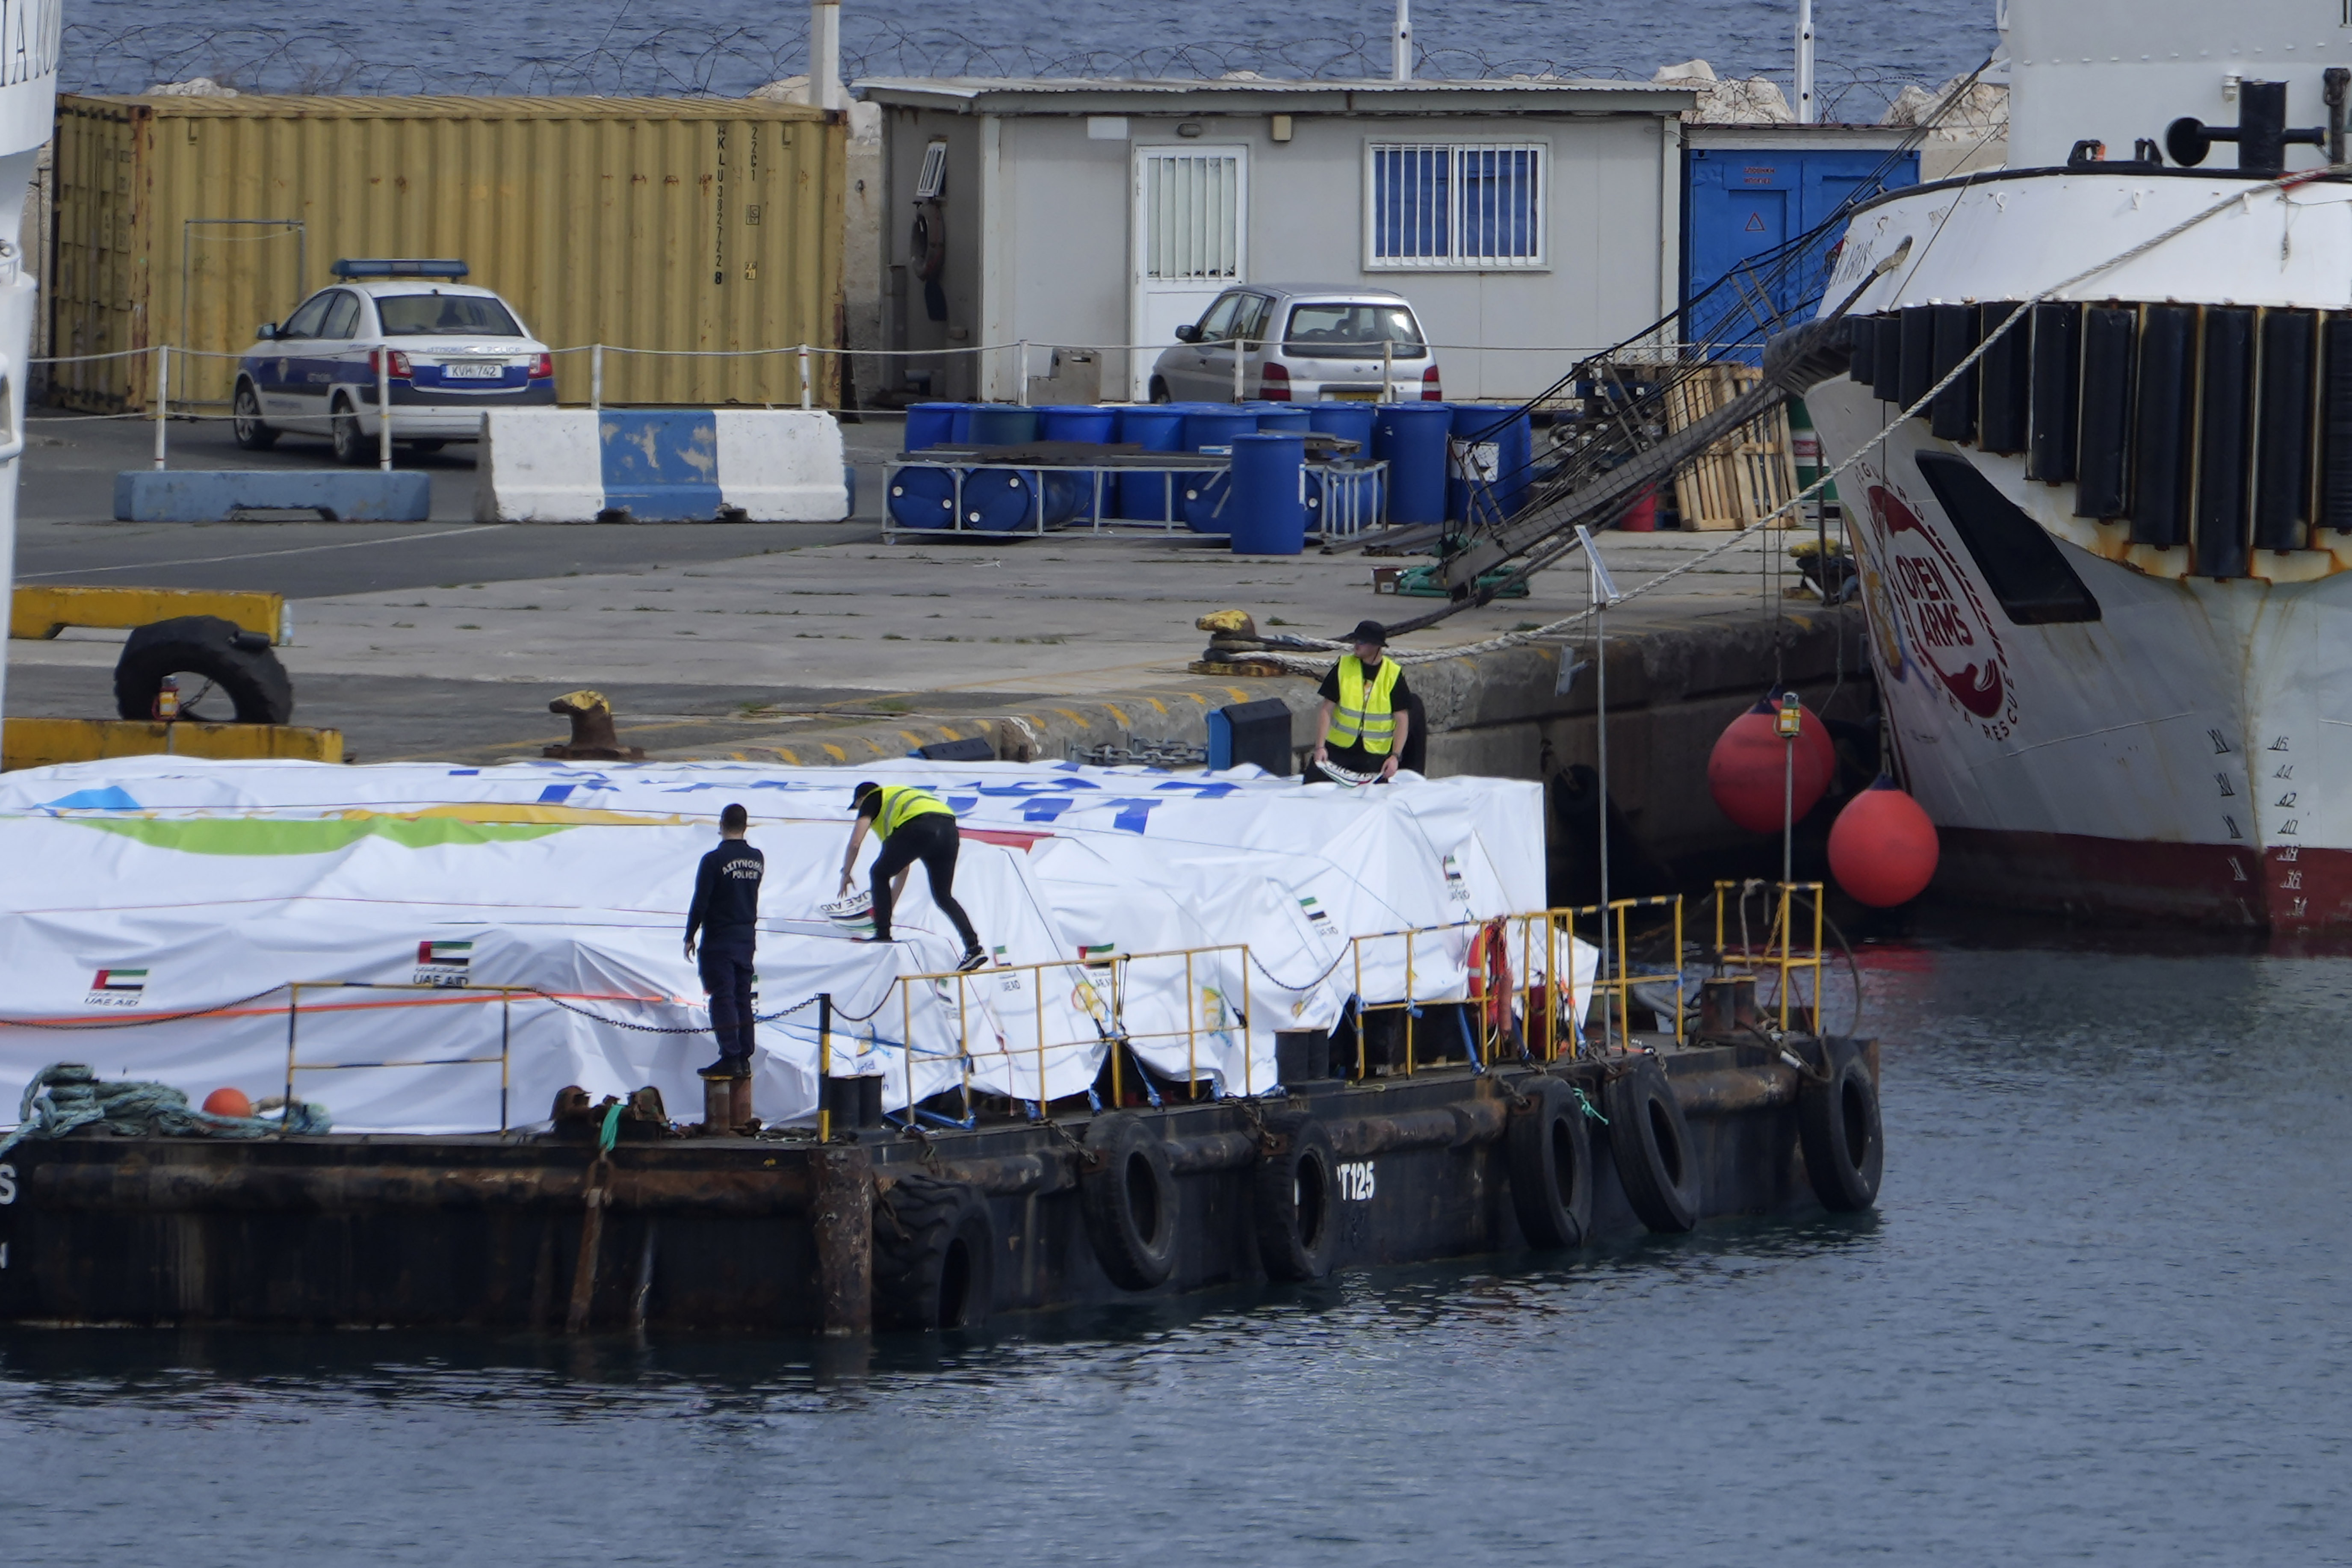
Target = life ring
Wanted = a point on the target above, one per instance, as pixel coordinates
(1296, 1190)
(1128, 1196)
(928, 244)
(1838, 1126)
(1550, 1154)
(934, 1255)
(1490, 977)
(1650, 1144)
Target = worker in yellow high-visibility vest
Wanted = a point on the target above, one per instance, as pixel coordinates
(1363, 724)
(913, 824)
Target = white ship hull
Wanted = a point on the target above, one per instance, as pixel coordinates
(2184, 754)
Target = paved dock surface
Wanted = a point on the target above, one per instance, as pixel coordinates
(445, 639)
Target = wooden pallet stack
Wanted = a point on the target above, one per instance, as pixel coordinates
(1747, 476)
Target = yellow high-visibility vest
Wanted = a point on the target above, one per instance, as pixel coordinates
(1365, 716)
(901, 804)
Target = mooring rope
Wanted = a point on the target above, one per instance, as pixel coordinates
(66, 1096)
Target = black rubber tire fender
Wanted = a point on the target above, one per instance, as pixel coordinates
(1838, 1126)
(934, 1255)
(1130, 1202)
(1550, 1154)
(241, 663)
(1650, 1143)
(1296, 1193)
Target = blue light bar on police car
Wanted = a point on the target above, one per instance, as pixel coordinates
(398, 266)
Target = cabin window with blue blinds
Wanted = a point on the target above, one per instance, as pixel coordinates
(1468, 204)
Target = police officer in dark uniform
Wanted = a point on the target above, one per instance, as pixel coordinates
(726, 910)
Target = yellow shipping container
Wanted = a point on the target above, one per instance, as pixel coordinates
(668, 224)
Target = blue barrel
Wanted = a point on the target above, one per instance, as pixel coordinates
(1288, 417)
(1505, 442)
(922, 498)
(1212, 425)
(1265, 514)
(1410, 437)
(1348, 421)
(933, 425)
(1003, 425)
(1070, 497)
(1155, 427)
(998, 500)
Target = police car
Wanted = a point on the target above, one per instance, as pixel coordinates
(453, 351)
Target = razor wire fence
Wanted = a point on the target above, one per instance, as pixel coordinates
(721, 60)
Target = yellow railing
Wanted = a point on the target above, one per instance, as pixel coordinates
(456, 994)
(1780, 952)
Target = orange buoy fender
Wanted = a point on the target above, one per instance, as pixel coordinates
(227, 1102)
(1745, 771)
(1883, 848)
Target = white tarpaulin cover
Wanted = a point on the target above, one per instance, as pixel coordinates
(140, 888)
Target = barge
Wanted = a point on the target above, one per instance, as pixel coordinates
(1415, 1130)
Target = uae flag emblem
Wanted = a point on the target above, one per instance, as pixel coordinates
(120, 982)
(445, 954)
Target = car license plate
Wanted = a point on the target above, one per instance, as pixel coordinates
(1352, 394)
(474, 372)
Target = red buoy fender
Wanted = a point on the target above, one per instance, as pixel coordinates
(1883, 848)
(1745, 773)
(227, 1102)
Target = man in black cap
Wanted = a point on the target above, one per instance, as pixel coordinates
(913, 824)
(1363, 724)
(726, 910)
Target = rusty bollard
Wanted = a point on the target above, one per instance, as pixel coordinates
(719, 1105)
(841, 1215)
(593, 736)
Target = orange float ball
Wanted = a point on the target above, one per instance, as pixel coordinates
(1746, 771)
(1883, 848)
(227, 1102)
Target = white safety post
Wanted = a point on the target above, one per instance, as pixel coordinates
(1240, 353)
(1388, 369)
(383, 409)
(596, 377)
(162, 396)
(1400, 44)
(1601, 592)
(1805, 111)
(824, 54)
(808, 387)
(1021, 372)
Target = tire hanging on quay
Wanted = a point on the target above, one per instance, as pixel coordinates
(1650, 1143)
(934, 1255)
(1129, 1201)
(1550, 1155)
(1838, 1126)
(1296, 1191)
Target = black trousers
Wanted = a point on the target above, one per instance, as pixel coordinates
(725, 964)
(931, 839)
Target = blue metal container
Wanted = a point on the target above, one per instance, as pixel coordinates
(1155, 427)
(934, 424)
(1740, 205)
(1077, 423)
(1410, 438)
(922, 498)
(1501, 448)
(1003, 425)
(998, 500)
(1265, 514)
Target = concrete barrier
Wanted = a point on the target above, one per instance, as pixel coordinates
(43, 742)
(44, 612)
(660, 465)
(214, 495)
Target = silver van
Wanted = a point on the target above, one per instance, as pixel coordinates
(1300, 342)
